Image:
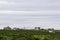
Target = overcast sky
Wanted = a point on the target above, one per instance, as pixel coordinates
(30, 13)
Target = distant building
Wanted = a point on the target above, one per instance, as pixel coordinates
(16, 28)
(7, 28)
(37, 28)
(50, 28)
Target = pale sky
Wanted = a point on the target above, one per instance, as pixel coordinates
(30, 13)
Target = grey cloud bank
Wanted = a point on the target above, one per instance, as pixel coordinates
(30, 5)
(30, 13)
(23, 20)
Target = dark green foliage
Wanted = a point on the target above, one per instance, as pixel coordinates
(36, 39)
(46, 39)
(3, 38)
(28, 35)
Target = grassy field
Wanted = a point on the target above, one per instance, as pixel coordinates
(29, 35)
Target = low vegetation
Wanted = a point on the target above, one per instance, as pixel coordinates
(29, 35)
(19, 34)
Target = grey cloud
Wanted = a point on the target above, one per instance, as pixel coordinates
(11, 19)
(29, 5)
(21, 18)
(50, 19)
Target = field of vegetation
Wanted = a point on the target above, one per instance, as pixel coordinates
(29, 35)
